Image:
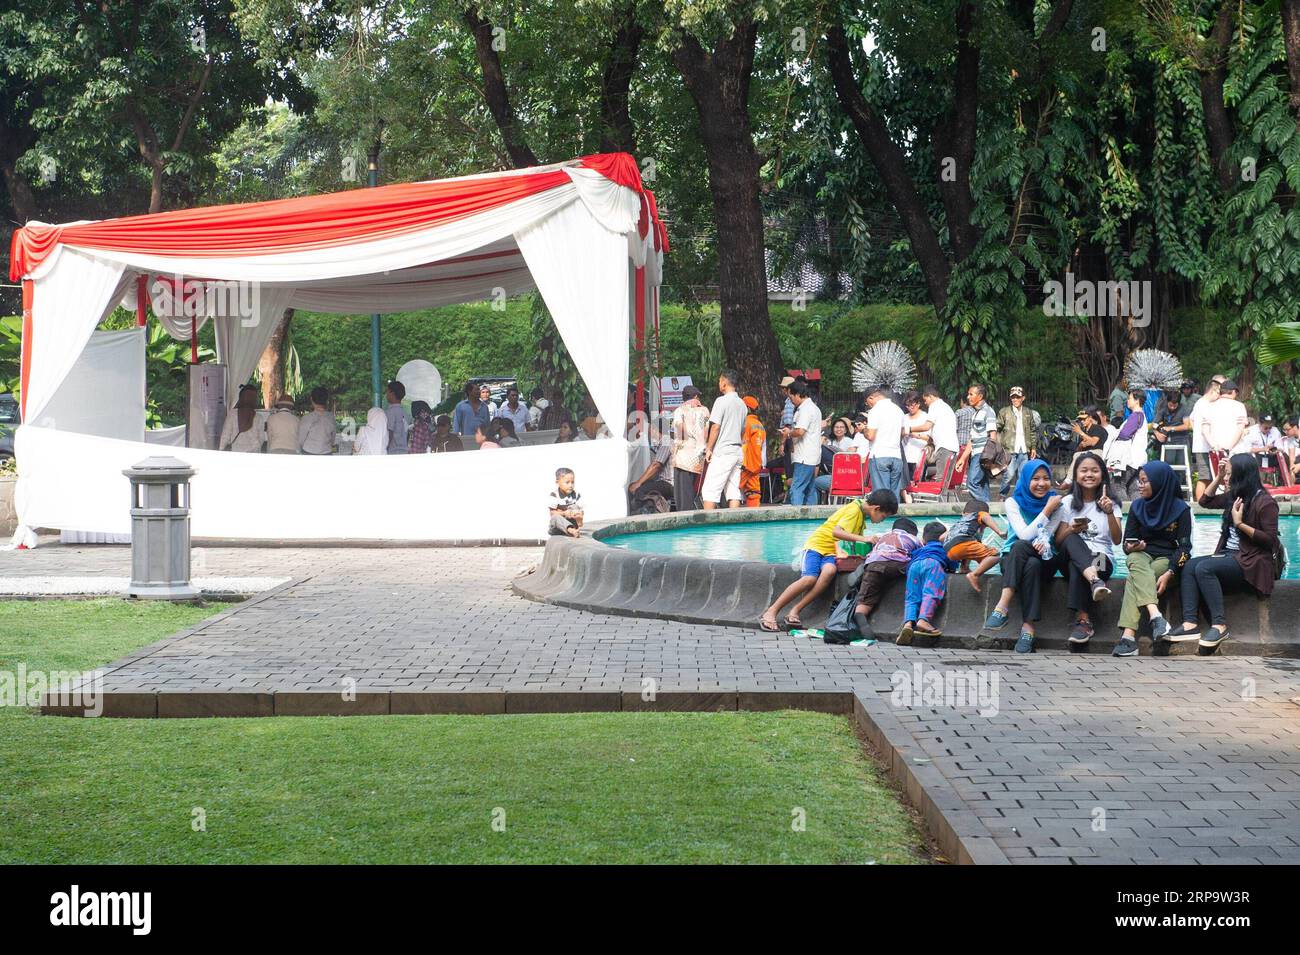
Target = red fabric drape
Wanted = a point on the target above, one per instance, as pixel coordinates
(286, 225)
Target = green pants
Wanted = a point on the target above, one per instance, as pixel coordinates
(1140, 588)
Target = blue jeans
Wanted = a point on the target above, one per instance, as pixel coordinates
(801, 485)
(977, 482)
(888, 474)
(822, 485)
(1018, 460)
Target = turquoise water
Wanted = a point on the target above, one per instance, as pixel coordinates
(777, 542)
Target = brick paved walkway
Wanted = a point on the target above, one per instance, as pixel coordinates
(1087, 759)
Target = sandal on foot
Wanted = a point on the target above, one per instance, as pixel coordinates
(905, 635)
(773, 628)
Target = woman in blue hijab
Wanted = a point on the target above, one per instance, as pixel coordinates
(1157, 542)
(1031, 511)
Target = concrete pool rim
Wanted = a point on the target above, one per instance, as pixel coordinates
(586, 574)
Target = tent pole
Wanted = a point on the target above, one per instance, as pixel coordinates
(140, 318)
(373, 172)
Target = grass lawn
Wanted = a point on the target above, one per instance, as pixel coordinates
(612, 787)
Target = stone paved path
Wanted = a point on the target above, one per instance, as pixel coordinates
(1087, 759)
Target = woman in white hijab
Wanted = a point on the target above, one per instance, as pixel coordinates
(373, 438)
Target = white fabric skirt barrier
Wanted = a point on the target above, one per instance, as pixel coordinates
(75, 481)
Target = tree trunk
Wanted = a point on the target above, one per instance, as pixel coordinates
(20, 192)
(1218, 122)
(270, 367)
(616, 131)
(1291, 36)
(495, 92)
(718, 82)
(955, 139)
(891, 165)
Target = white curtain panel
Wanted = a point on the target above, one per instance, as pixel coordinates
(581, 269)
(75, 482)
(72, 296)
(410, 296)
(240, 342)
(104, 394)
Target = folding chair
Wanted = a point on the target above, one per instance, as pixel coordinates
(848, 476)
(931, 490)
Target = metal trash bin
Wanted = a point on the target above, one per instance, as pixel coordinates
(160, 529)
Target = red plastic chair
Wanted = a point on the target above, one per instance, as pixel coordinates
(933, 490)
(848, 476)
(958, 481)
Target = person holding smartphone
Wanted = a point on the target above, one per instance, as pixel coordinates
(1086, 537)
(1245, 558)
(1157, 543)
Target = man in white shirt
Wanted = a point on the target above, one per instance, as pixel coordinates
(723, 452)
(885, 431)
(944, 432)
(1289, 447)
(1265, 443)
(806, 446)
(515, 410)
(316, 430)
(1225, 423)
(1200, 445)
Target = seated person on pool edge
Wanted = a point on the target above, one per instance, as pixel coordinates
(927, 585)
(1158, 543)
(1246, 557)
(819, 554)
(886, 564)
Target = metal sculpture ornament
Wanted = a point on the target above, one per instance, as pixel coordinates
(1152, 368)
(884, 365)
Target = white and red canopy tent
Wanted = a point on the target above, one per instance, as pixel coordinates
(584, 233)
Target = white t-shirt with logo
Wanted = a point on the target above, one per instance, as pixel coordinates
(808, 448)
(886, 419)
(1097, 534)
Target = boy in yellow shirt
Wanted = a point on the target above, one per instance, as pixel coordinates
(820, 550)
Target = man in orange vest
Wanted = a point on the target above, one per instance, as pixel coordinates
(753, 437)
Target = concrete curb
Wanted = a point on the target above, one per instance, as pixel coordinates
(584, 574)
(954, 826)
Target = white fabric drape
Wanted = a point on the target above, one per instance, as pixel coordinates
(74, 296)
(104, 392)
(240, 342)
(581, 269)
(410, 296)
(75, 481)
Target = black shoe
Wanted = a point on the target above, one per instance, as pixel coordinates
(1127, 647)
(1186, 631)
(1080, 633)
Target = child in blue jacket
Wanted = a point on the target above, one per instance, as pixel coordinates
(927, 584)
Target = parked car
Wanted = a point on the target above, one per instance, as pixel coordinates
(9, 420)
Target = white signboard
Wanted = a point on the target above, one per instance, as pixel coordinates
(670, 390)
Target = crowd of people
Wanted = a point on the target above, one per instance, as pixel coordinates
(1073, 528)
